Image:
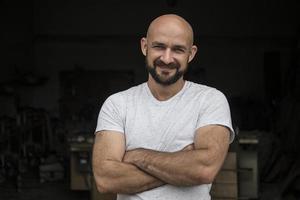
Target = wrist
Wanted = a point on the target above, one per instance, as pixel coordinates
(135, 156)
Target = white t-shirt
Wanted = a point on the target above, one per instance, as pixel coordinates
(166, 126)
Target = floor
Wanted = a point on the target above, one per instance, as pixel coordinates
(32, 189)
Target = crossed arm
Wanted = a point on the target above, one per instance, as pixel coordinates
(112, 175)
(118, 171)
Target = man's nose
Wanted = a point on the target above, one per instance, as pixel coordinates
(167, 57)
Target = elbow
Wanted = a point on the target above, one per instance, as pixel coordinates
(103, 185)
(205, 176)
(101, 189)
(102, 182)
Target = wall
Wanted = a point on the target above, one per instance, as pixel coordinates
(232, 37)
(16, 38)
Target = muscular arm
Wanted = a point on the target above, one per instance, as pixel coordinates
(185, 168)
(111, 174)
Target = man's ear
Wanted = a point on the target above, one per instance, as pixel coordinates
(144, 45)
(193, 52)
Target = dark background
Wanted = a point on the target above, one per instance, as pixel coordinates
(61, 59)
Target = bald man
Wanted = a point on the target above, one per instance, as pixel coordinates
(168, 137)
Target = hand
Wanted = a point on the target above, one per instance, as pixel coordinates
(132, 155)
(188, 147)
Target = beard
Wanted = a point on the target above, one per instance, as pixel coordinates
(160, 79)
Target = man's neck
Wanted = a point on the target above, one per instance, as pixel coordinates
(163, 93)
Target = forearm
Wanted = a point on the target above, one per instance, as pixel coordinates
(123, 178)
(183, 168)
(195, 166)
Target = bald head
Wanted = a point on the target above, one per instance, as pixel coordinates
(172, 23)
(168, 49)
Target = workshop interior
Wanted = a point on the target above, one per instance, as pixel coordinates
(60, 60)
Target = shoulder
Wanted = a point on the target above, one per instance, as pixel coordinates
(123, 96)
(204, 91)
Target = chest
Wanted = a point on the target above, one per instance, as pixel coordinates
(165, 128)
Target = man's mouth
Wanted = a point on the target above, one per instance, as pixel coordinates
(159, 63)
(166, 67)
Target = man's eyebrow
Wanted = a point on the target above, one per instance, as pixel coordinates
(179, 47)
(157, 43)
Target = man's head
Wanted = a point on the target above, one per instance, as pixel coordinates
(168, 48)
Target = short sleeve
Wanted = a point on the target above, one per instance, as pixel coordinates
(110, 116)
(215, 110)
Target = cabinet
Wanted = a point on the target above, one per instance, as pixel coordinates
(225, 186)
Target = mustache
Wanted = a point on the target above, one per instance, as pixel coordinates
(172, 65)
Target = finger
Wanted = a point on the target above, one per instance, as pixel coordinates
(188, 147)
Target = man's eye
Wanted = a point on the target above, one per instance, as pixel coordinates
(158, 47)
(178, 50)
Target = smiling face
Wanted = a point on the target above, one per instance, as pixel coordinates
(168, 48)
